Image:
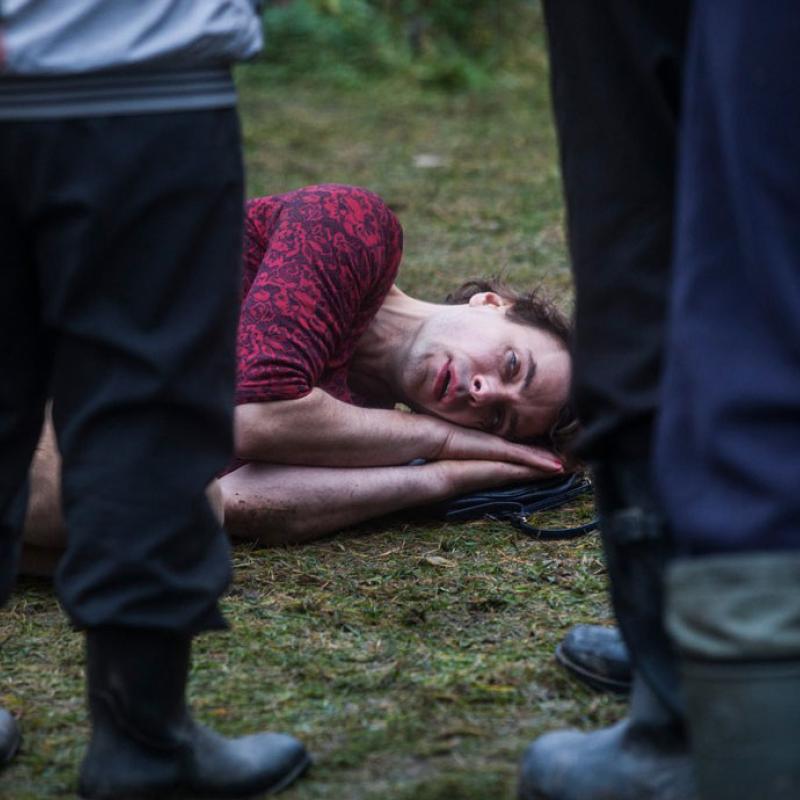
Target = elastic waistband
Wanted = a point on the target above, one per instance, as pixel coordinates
(117, 92)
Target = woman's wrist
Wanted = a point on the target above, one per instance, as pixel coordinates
(434, 435)
(435, 480)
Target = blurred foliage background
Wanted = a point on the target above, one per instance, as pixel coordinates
(452, 45)
(442, 108)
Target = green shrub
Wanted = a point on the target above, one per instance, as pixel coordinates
(436, 42)
(346, 39)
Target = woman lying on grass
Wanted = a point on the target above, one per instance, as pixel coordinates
(328, 345)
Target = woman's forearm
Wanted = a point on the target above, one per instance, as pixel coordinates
(280, 504)
(318, 430)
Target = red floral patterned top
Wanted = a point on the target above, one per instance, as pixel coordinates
(318, 263)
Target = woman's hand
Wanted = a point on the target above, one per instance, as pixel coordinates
(455, 442)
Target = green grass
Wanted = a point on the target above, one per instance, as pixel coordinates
(414, 658)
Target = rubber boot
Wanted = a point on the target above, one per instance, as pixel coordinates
(645, 756)
(597, 657)
(641, 757)
(736, 620)
(9, 737)
(144, 742)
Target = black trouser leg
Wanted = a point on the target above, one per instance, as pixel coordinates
(137, 230)
(137, 224)
(23, 371)
(24, 360)
(616, 74)
(616, 77)
(616, 70)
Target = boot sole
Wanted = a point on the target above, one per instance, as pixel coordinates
(276, 788)
(176, 794)
(600, 683)
(297, 773)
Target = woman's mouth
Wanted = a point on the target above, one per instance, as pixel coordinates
(443, 380)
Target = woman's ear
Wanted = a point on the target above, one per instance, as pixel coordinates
(488, 299)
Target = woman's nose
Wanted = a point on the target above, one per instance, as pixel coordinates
(483, 390)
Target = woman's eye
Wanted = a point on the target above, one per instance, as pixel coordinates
(513, 364)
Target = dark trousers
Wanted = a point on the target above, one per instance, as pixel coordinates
(120, 240)
(728, 454)
(616, 70)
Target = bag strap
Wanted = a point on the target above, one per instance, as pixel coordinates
(551, 534)
(518, 518)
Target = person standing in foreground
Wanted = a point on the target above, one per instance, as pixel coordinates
(120, 226)
(616, 71)
(728, 436)
(725, 459)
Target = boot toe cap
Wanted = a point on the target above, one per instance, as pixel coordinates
(545, 763)
(621, 762)
(283, 757)
(260, 762)
(597, 656)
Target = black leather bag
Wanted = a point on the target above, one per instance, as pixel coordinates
(514, 504)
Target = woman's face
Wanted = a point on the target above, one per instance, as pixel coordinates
(472, 365)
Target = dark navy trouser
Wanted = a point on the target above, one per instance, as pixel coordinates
(119, 255)
(728, 444)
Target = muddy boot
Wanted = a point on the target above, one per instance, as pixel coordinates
(9, 737)
(736, 621)
(645, 756)
(597, 657)
(144, 741)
